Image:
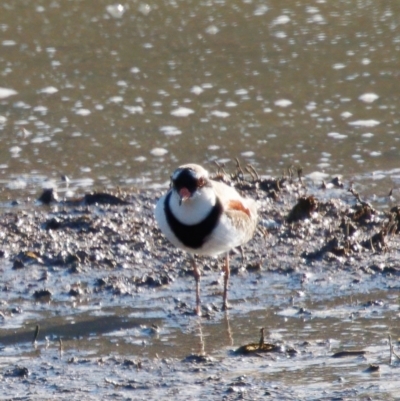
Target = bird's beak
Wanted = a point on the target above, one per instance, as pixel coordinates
(184, 194)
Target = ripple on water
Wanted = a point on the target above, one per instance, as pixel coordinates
(197, 90)
(220, 114)
(368, 97)
(83, 112)
(346, 114)
(40, 139)
(364, 123)
(260, 10)
(283, 102)
(40, 109)
(48, 90)
(134, 109)
(8, 42)
(182, 112)
(336, 135)
(6, 92)
(116, 99)
(18, 183)
(338, 66)
(159, 152)
(212, 30)
(317, 176)
(281, 20)
(375, 153)
(15, 149)
(170, 130)
(116, 10)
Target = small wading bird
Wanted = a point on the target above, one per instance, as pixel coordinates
(205, 217)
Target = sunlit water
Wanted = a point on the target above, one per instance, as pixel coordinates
(120, 94)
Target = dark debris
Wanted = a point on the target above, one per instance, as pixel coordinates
(17, 371)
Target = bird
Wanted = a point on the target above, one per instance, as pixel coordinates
(205, 217)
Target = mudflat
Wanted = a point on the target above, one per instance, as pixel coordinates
(96, 304)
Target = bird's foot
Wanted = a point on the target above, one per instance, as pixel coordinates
(197, 310)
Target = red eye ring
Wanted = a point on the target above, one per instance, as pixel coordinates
(201, 182)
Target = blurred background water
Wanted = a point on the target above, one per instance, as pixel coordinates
(119, 94)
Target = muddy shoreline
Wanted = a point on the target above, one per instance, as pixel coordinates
(114, 301)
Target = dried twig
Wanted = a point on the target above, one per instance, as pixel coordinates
(300, 174)
(358, 197)
(261, 342)
(239, 169)
(61, 348)
(36, 334)
(372, 245)
(253, 172)
(220, 168)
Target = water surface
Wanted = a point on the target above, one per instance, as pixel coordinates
(121, 94)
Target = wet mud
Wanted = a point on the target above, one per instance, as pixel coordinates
(96, 304)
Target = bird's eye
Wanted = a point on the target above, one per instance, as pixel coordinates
(201, 182)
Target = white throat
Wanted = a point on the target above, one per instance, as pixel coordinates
(195, 209)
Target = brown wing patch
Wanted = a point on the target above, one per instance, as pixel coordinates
(237, 205)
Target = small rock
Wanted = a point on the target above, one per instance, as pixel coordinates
(48, 196)
(18, 371)
(42, 295)
(18, 264)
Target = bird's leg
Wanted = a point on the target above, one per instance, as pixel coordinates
(242, 254)
(227, 273)
(197, 276)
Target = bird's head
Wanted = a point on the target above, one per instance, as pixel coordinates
(187, 181)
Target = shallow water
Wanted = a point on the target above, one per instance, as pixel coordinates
(110, 94)
(317, 316)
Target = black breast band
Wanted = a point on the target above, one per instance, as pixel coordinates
(193, 236)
